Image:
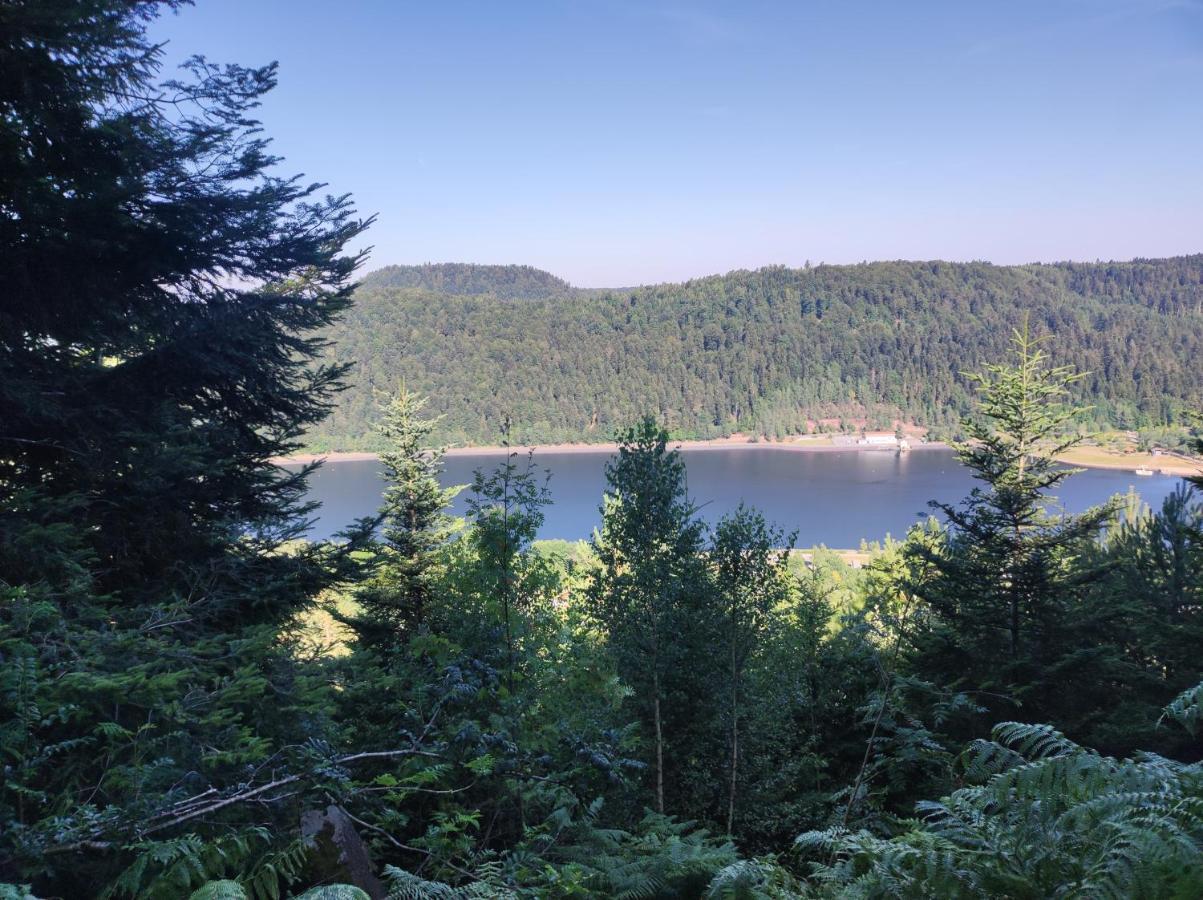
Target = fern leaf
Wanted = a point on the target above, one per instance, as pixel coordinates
(219, 890)
(1186, 709)
(334, 892)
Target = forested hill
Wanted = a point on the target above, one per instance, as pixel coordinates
(761, 351)
(468, 279)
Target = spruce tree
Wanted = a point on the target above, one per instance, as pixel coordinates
(163, 292)
(416, 525)
(1000, 606)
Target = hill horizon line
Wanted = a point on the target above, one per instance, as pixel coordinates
(492, 269)
(759, 351)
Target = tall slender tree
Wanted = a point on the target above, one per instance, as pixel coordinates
(507, 511)
(748, 560)
(651, 572)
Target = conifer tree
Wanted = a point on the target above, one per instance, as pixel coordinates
(415, 523)
(651, 574)
(506, 507)
(163, 292)
(1160, 563)
(1148, 609)
(1001, 601)
(748, 564)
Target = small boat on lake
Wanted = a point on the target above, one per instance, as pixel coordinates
(1143, 470)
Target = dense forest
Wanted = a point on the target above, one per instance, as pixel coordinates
(470, 280)
(769, 352)
(196, 703)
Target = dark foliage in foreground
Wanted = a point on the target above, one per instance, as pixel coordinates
(162, 294)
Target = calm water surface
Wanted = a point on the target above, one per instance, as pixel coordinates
(831, 498)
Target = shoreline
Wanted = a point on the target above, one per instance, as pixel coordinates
(1170, 465)
(1174, 467)
(741, 443)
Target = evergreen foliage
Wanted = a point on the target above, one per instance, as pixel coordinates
(415, 525)
(748, 559)
(649, 584)
(506, 507)
(465, 279)
(158, 343)
(1145, 612)
(999, 606)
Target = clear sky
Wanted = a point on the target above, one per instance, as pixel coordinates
(619, 142)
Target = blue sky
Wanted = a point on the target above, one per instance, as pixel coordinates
(617, 143)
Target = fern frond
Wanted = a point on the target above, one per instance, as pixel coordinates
(405, 885)
(982, 759)
(752, 879)
(1186, 709)
(335, 892)
(1034, 741)
(1051, 819)
(219, 890)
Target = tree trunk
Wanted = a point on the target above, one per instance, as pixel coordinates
(659, 744)
(734, 757)
(1014, 628)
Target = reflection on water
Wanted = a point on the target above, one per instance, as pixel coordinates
(832, 498)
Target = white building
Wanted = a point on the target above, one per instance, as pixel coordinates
(878, 439)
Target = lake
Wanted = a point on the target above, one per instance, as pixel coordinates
(835, 498)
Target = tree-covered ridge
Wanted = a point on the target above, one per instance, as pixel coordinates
(768, 350)
(470, 279)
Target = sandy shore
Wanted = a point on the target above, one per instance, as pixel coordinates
(741, 443)
(1163, 465)
(301, 459)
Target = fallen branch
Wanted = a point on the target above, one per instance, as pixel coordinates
(183, 815)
